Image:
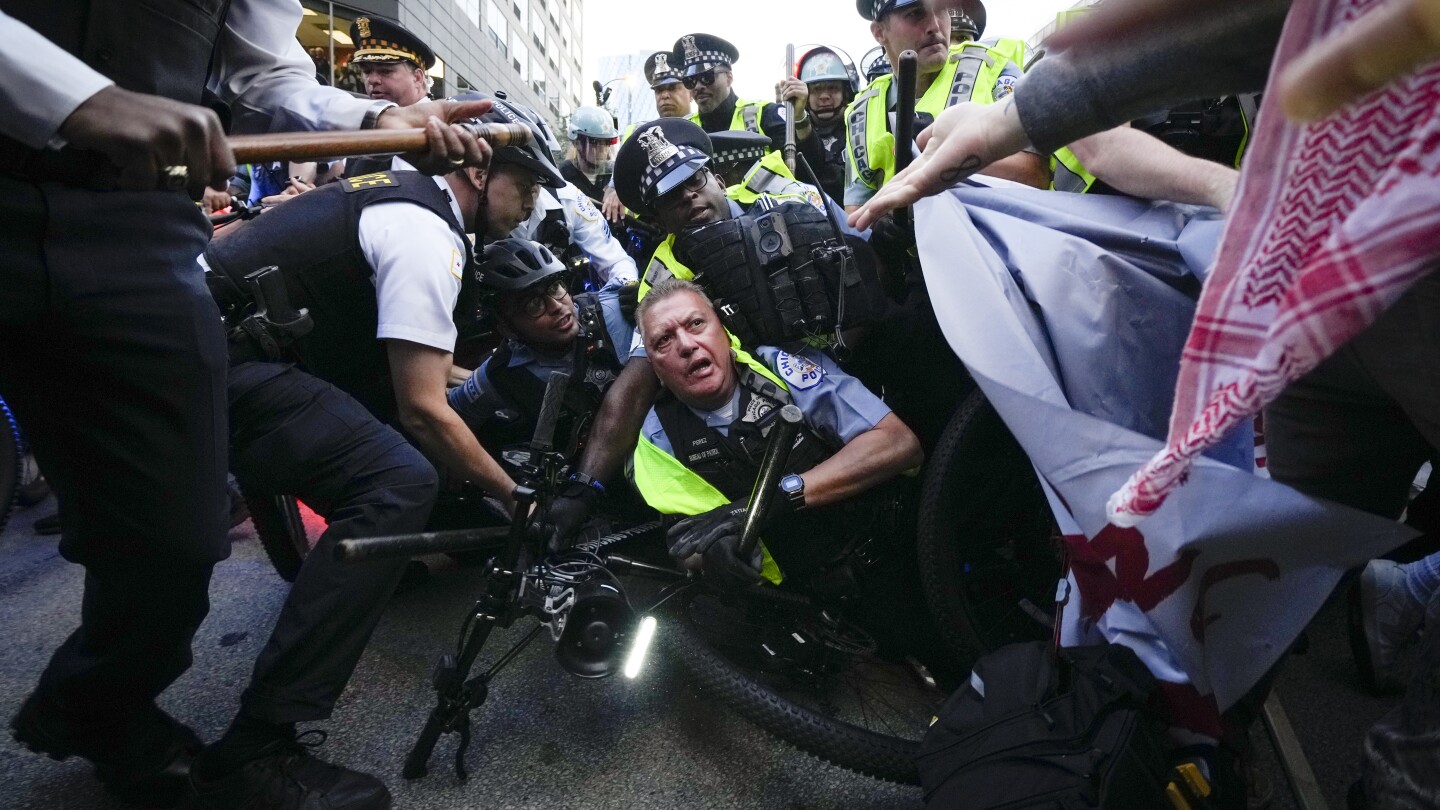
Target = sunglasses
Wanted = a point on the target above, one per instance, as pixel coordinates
(701, 79)
(586, 140)
(534, 304)
(693, 183)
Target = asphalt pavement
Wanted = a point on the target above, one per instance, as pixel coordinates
(545, 738)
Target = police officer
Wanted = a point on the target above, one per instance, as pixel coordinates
(833, 82)
(700, 449)
(393, 61)
(662, 173)
(558, 215)
(394, 64)
(592, 133)
(672, 100)
(103, 147)
(706, 60)
(381, 263)
(945, 75)
(546, 329)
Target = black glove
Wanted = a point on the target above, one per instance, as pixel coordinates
(567, 513)
(893, 240)
(716, 536)
(628, 296)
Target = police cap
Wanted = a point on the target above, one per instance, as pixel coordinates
(659, 71)
(661, 155)
(875, 9)
(380, 40)
(969, 17)
(698, 53)
(737, 147)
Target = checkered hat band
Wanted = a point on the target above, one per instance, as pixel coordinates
(654, 174)
(737, 155)
(711, 58)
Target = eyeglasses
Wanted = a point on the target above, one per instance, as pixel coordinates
(707, 78)
(693, 183)
(535, 303)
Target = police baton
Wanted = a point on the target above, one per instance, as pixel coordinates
(790, 111)
(306, 146)
(905, 118)
(767, 483)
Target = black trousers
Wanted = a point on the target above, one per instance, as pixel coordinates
(294, 434)
(112, 356)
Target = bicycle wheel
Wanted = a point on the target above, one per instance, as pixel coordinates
(282, 533)
(807, 676)
(10, 462)
(988, 546)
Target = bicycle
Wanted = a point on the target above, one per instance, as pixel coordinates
(797, 665)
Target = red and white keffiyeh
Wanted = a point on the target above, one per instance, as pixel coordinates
(1332, 222)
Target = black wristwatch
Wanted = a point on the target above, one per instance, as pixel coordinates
(794, 488)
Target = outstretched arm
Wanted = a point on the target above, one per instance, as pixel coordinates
(1144, 166)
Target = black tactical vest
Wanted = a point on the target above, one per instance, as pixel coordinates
(593, 367)
(160, 47)
(732, 463)
(314, 240)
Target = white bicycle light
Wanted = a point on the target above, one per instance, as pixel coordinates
(636, 660)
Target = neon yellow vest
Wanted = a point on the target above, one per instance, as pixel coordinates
(747, 116)
(969, 75)
(671, 488)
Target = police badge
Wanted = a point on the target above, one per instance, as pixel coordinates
(362, 25)
(692, 53)
(658, 148)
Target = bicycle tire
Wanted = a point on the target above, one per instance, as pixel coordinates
(805, 716)
(11, 460)
(988, 545)
(281, 531)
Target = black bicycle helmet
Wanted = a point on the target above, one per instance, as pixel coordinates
(515, 265)
(536, 155)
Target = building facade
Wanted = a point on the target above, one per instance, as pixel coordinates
(531, 49)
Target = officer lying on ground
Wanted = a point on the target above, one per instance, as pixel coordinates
(384, 266)
(664, 174)
(700, 450)
(523, 287)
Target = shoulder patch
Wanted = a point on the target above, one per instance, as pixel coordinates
(797, 372)
(586, 209)
(361, 182)
(1004, 86)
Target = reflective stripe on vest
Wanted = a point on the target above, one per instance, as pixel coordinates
(672, 488)
(1068, 173)
(969, 75)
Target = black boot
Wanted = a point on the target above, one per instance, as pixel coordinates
(141, 760)
(247, 771)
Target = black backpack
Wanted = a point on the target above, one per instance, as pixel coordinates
(1028, 733)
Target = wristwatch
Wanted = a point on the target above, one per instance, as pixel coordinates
(794, 488)
(589, 481)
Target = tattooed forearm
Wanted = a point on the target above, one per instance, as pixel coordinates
(966, 168)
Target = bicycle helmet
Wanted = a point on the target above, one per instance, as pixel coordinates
(826, 64)
(538, 155)
(515, 265)
(592, 122)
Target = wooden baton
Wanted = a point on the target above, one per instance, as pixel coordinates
(304, 146)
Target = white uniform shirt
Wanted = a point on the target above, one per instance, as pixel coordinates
(418, 260)
(588, 231)
(262, 72)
